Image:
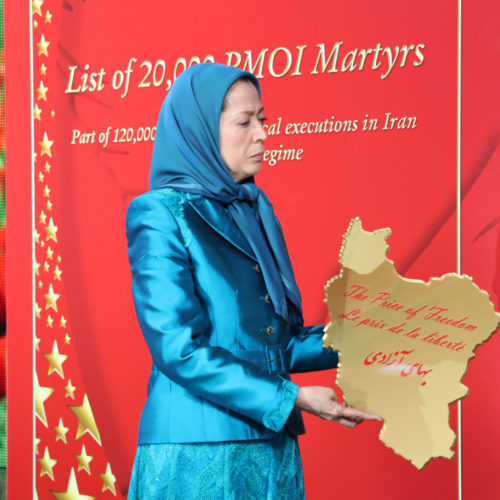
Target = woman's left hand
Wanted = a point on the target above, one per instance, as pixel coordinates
(322, 402)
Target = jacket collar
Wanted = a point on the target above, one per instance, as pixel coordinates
(213, 213)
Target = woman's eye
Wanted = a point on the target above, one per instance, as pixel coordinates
(263, 119)
(244, 124)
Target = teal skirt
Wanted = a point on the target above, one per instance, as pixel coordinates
(236, 470)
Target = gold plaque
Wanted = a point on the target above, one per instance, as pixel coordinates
(404, 345)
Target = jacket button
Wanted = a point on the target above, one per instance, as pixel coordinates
(257, 268)
(269, 330)
(267, 298)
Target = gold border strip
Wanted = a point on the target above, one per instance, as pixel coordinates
(459, 220)
(33, 285)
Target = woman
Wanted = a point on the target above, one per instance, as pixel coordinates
(219, 307)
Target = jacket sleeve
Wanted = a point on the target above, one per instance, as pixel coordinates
(306, 352)
(175, 323)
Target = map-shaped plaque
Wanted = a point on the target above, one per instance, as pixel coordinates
(404, 345)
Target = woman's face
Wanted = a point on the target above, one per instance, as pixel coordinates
(241, 131)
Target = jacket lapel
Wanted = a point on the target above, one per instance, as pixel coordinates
(217, 218)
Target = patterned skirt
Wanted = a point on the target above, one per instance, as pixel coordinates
(235, 470)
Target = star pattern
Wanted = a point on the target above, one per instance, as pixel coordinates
(61, 431)
(62, 407)
(72, 492)
(37, 7)
(51, 230)
(108, 480)
(41, 395)
(46, 464)
(45, 145)
(86, 421)
(43, 46)
(57, 276)
(70, 390)
(42, 91)
(56, 360)
(37, 112)
(84, 460)
(51, 298)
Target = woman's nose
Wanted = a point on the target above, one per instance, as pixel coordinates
(260, 133)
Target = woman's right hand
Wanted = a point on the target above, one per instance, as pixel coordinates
(322, 402)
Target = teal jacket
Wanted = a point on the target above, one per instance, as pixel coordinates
(221, 355)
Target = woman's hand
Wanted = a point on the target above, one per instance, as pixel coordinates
(322, 402)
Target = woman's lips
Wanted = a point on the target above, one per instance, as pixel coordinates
(258, 156)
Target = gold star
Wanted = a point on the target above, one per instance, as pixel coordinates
(48, 17)
(37, 442)
(42, 243)
(37, 343)
(67, 339)
(42, 91)
(35, 23)
(86, 421)
(49, 205)
(40, 284)
(40, 177)
(45, 145)
(46, 191)
(37, 236)
(42, 218)
(37, 7)
(62, 322)
(43, 45)
(61, 431)
(51, 298)
(51, 230)
(52, 113)
(41, 394)
(72, 492)
(57, 276)
(50, 253)
(59, 259)
(56, 360)
(43, 69)
(108, 480)
(49, 321)
(47, 166)
(38, 310)
(37, 267)
(46, 464)
(37, 112)
(46, 266)
(70, 392)
(84, 460)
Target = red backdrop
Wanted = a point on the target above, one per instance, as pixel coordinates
(107, 68)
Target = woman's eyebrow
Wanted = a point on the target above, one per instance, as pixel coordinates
(250, 113)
